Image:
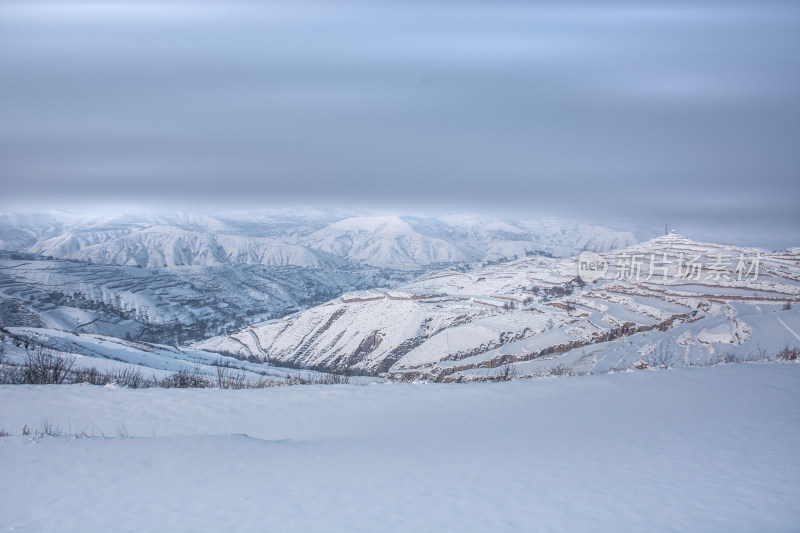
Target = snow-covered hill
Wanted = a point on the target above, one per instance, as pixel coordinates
(674, 302)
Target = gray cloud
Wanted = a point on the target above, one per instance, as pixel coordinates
(646, 109)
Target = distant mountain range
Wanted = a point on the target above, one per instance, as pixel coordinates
(176, 278)
(317, 240)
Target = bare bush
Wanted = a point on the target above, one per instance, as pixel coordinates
(726, 358)
(11, 375)
(661, 357)
(43, 366)
(760, 355)
(506, 373)
(788, 354)
(332, 378)
(131, 378)
(293, 380)
(49, 428)
(559, 370)
(4, 433)
(262, 383)
(90, 376)
(228, 379)
(185, 379)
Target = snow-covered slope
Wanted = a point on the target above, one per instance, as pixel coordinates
(712, 450)
(109, 354)
(536, 314)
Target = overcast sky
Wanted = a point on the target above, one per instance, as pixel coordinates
(642, 109)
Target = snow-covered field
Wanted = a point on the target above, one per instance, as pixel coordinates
(693, 449)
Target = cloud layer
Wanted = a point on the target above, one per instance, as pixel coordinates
(648, 108)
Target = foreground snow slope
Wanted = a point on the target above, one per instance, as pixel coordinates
(710, 449)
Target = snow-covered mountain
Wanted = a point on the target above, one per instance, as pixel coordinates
(165, 246)
(316, 240)
(673, 302)
(385, 240)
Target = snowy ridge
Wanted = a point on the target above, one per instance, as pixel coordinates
(164, 246)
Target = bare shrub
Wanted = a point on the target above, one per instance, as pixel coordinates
(788, 354)
(726, 358)
(228, 379)
(11, 375)
(332, 378)
(661, 357)
(49, 428)
(185, 379)
(293, 380)
(90, 376)
(760, 355)
(338, 378)
(4, 433)
(559, 370)
(507, 373)
(43, 366)
(131, 378)
(262, 383)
